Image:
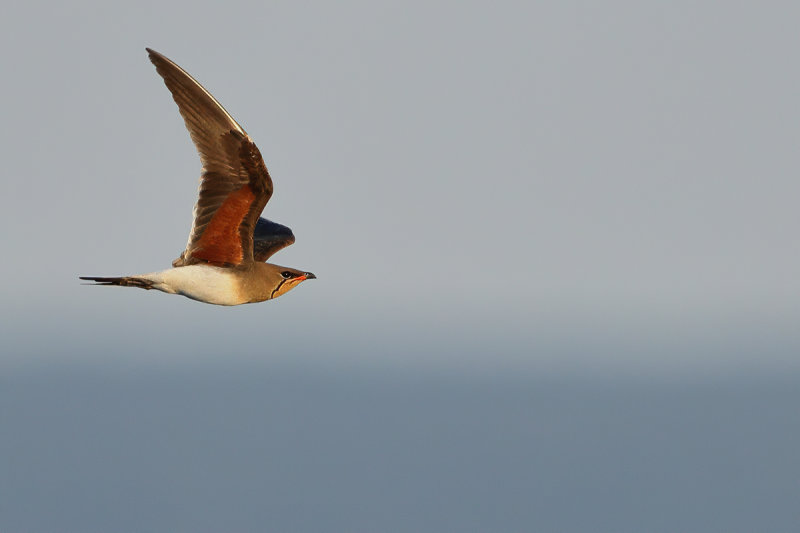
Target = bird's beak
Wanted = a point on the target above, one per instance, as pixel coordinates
(302, 277)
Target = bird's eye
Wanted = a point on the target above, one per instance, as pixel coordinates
(286, 274)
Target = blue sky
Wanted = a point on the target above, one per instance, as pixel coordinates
(502, 174)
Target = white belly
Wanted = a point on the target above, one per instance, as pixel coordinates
(205, 283)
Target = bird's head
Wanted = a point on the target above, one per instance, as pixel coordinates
(283, 279)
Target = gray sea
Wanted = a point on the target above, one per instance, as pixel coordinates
(248, 447)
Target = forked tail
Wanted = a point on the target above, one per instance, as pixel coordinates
(127, 281)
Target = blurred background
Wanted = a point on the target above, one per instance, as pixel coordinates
(556, 245)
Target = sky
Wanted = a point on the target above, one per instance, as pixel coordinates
(513, 210)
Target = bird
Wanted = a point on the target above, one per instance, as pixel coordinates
(224, 262)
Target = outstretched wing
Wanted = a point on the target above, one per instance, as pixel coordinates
(235, 184)
(269, 237)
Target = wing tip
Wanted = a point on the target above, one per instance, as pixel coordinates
(155, 57)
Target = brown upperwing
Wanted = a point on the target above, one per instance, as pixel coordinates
(235, 184)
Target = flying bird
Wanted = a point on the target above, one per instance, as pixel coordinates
(224, 260)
